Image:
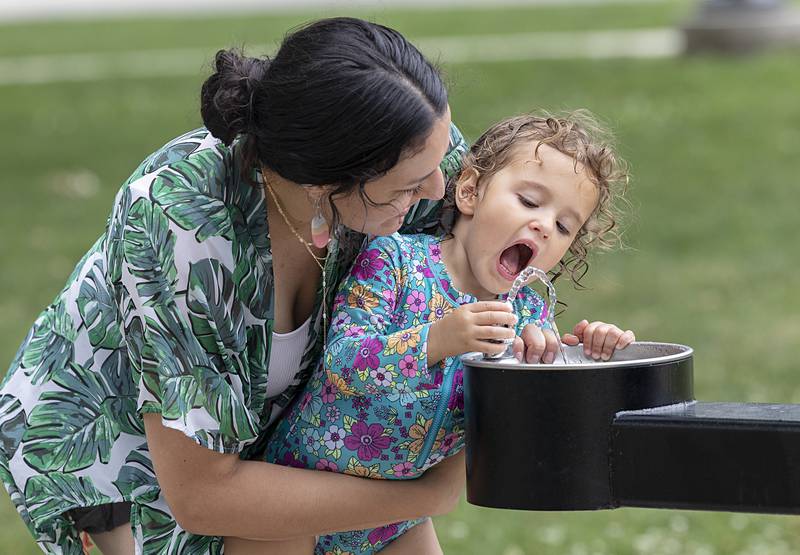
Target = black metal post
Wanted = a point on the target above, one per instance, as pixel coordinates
(708, 456)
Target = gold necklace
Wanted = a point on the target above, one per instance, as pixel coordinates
(320, 260)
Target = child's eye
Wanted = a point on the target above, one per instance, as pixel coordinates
(562, 228)
(527, 202)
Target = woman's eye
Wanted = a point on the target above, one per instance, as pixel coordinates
(413, 191)
(527, 202)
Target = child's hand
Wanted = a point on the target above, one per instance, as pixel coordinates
(599, 339)
(468, 327)
(536, 345)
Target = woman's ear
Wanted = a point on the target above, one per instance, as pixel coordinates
(316, 193)
(466, 194)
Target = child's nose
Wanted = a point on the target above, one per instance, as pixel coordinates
(540, 227)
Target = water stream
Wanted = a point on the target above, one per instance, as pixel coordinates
(520, 282)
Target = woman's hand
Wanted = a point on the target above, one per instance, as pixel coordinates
(468, 327)
(599, 339)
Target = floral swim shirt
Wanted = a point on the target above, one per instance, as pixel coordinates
(374, 407)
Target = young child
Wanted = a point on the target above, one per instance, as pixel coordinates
(387, 400)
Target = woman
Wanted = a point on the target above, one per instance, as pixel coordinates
(134, 403)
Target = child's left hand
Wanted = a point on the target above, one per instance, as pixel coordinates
(599, 339)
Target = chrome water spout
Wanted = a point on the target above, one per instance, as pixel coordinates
(518, 284)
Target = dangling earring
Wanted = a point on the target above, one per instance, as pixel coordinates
(320, 233)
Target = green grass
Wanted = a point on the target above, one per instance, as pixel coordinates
(49, 37)
(713, 145)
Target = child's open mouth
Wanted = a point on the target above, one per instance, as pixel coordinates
(515, 258)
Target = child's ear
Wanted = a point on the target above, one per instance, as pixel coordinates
(466, 194)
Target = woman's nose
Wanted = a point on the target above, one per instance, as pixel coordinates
(433, 187)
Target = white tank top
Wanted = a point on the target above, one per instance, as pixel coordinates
(284, 361)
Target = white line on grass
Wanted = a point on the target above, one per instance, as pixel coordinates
(95, 66)
(22, 10)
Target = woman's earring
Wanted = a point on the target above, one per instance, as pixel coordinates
(320, 232)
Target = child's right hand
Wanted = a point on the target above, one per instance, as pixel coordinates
(536, 345)
(468, 327)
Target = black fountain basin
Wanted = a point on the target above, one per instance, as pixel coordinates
(538, 436)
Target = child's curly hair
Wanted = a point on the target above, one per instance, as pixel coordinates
(579, 135)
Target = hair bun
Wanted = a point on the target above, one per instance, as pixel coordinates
(228, 96)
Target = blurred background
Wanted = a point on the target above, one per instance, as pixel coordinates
(88, 90)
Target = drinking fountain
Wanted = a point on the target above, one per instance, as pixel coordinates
(581, 434)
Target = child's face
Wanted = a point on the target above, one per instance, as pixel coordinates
(528, 213)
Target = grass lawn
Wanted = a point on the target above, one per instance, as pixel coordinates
(713, 145)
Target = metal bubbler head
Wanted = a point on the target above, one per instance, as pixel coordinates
(519, 283)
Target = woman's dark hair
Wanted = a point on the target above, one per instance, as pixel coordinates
(339, 104)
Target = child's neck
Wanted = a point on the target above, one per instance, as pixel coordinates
(455, 259)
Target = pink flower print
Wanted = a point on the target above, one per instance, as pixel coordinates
(367, 264)
(367, 356)
(361, 403)
(381, 534)
(400, 319)
(390, 297)
(436, 252)
(338, 300)
(304, 402)
(416, 301)
(329, 392)
(334, 437)
(332, 412)
(408, 366)
(382, 377)
(457, 396)
(327, 465)
(449, 441)
(403, 469)
(354, 331)
(289, 459)
(367, 439)
(426, 271)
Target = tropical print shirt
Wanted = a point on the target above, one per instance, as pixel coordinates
(374, 407)
(170, 312)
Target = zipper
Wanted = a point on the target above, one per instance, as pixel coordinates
(438, 417)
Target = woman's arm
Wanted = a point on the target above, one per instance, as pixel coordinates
(218, 494)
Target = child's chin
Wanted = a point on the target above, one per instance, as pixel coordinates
(497, 289)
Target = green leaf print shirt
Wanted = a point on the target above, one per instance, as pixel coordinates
(169, 312)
